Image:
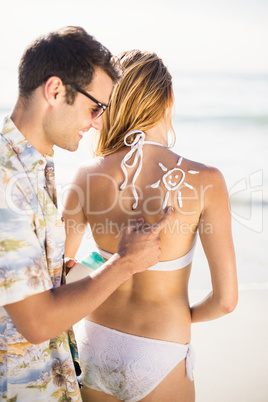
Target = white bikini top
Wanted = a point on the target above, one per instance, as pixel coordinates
(171, 265)
(172, 180)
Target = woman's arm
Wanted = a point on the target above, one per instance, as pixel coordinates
(216, 237)
(75, 220)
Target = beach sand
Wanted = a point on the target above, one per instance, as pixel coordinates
(232, 352)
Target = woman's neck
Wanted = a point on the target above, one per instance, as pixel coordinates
(158, 133)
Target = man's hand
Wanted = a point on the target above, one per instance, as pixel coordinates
(141, 244)
(70, 263)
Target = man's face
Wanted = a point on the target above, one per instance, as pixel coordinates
(66, 127)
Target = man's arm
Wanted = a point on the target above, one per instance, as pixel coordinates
(47, 314)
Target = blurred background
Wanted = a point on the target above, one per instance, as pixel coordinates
(217, 54)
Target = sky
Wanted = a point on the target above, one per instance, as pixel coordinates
(227, 36)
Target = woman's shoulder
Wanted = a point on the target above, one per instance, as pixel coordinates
(101, 163)
(206, 170)
(196, 180)
(209, 180)
(200, 169)
(99, 173)
(197, 176)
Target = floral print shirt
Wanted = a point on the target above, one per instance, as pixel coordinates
(32, 240)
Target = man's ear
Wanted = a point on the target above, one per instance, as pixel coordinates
(53, 89)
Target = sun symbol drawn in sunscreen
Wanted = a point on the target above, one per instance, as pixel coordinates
(172, 181)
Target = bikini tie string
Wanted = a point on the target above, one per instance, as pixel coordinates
(190, 361)
(136, 146)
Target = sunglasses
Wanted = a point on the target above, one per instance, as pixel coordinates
(101, 107)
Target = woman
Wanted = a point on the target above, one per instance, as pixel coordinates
(136, 345)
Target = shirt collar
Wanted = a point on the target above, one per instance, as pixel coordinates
(27, 154)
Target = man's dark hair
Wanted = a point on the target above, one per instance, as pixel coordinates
(69, 53)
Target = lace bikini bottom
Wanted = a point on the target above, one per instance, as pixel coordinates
(126, 366)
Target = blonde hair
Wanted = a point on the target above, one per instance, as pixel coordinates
(139, 100)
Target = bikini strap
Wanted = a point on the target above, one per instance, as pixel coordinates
(136, 147)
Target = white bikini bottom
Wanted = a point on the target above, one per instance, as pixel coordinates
(126, 366)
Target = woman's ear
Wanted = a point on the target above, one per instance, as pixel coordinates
(168, 118)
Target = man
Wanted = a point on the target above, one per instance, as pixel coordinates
(65, 82)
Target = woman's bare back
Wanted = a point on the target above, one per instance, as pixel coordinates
(165, 179)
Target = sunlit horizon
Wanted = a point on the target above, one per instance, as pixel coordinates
(191, 37)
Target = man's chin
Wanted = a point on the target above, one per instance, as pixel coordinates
(71, 147)
(75, 148)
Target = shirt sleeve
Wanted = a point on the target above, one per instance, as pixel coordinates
(23, 264)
